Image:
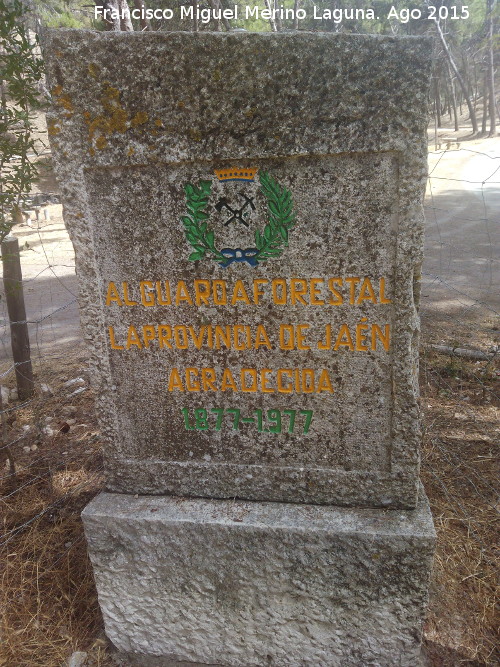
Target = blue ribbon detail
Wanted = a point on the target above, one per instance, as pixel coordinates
(239, 255)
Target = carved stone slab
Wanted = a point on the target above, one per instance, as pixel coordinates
(246, 211)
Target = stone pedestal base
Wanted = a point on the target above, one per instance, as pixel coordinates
(243, 584)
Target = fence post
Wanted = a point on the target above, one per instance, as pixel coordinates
(13, 285)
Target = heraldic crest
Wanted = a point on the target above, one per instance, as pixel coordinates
(269, 242)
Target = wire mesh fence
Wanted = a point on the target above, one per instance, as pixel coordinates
(50, 456)
(460, 354)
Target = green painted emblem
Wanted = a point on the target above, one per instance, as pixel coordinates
(269, 243)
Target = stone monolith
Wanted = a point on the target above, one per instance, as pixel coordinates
(246, 211)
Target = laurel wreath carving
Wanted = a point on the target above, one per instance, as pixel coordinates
(197, 231)
(280, 221)
(269, 243)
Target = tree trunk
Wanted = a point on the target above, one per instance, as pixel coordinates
(279, 24)
(14, 296)
(5, 451)
(459, 77)
(141, 6)
(463, 352)
(485, 104)
(467, 79)
(491, 71)
(3, 101)
(448, 97)
(453, 99)
(125, 20)
(225, 21)
(272, 22)
(437, 99)
(195, 16)
(215, 5)
(110, 22)
(3, 107)
(296, 7)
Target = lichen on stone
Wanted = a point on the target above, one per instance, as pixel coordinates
(194, 135)
(52, 128)
(63, 101)
(140, 118)
(93, 70)
(101, 142)
(115, 119)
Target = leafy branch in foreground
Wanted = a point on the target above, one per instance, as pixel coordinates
(20, 71)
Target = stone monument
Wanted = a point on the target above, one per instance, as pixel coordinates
(246, 211)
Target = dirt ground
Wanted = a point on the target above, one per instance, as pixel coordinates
(48, 603)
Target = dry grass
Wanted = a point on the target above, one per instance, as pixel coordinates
(48, 598)
(48, 595)
(460, 474)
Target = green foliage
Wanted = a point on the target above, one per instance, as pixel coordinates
(61, 20)
(280, 221)
(198, 234)
(65, 13)
(20, 71)
(269, 243)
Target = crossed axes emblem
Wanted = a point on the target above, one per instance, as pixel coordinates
(237, 214)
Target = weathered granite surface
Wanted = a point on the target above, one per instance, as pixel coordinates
(244, 584)
(337, 120)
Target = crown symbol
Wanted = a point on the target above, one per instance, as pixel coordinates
(236, 174)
